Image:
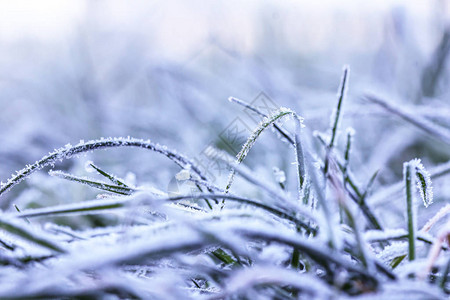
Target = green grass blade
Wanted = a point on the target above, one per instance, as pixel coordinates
(111, 177)
(342, 91)
(93, 206)
(280, 130)
(70, 151)
(408, 173)
(21, 231)
(300, 160)
(116, 189)
(267, 122)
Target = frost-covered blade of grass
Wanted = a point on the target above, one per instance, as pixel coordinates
(283, 133)
(411, 207)
(69, 151)
(108, 205)
(87, 207)
(27, 233)
(318, 251)
(335, 119)
(351, 186)
(265, 123)
(376, 236)
(112, 188)
(244, 280)
(267, 207)
(337, 115)
(386, 194)
(362, 247)
(104, 257)
(250, 176)
(322, 201)
(299, 156)
(440, 133)
(424, 186)
(443, 212)
(107, 175)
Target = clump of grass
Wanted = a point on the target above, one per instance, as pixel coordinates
(280, 243)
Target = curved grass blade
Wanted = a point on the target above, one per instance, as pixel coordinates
(254, 136)
(69, 151)
(318, 252)
(280, 130)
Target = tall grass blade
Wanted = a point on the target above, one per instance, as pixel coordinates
(337, 115)
(300, 160)
(411, 207)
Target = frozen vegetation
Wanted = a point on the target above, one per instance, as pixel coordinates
(286, 191)
(322, 240)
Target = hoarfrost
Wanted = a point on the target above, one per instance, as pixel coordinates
(280, 176)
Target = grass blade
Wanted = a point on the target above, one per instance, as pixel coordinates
(21, 231)
(111, 177)
(270, 120)
(116, 189)
(440, 133)
(408, 173)
(69, 151)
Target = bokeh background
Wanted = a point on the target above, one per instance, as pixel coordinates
(163, 70)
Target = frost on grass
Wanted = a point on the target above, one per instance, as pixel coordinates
(264, 124)
(424, 183)
(112, 188)
(70, 151)
(266, 244)
(280, 176)
(384, 235)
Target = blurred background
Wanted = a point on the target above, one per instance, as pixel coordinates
(163, 70)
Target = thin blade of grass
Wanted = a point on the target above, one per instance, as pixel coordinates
(109, 176)
(270, 120)
(410, 208)
(21, 231)
(440, 133)
(69, 151)
(280, 130)
(116, 189)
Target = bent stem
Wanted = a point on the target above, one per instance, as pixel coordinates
(69, 151)
(267, 122)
